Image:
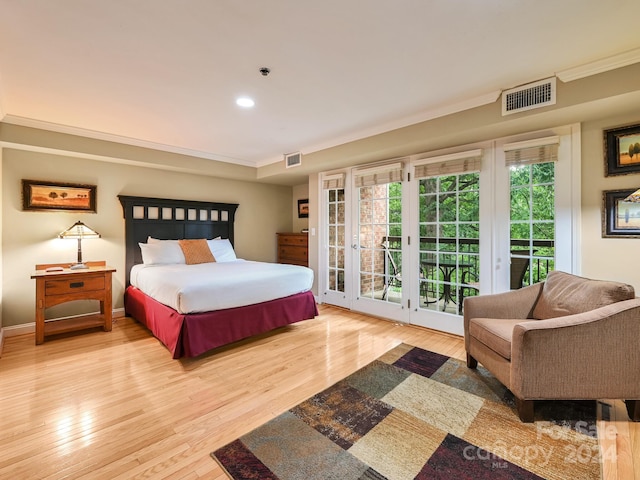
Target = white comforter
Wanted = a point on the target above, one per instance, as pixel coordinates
(215, 286)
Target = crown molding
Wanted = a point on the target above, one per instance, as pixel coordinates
(600, 66)
(420, 117)
(82, 132)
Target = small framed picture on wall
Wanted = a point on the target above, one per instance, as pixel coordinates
(303, 208)
(620, 218)
(622, 150)
(40, 195)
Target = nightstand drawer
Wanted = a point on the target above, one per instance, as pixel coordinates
(74, 285)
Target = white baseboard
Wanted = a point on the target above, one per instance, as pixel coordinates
(22, 329)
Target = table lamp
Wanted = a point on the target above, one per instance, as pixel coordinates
(79, 231)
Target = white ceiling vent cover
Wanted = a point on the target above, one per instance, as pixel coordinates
(529, 96)
(292, 159)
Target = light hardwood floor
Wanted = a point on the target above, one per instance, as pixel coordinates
(116, 406)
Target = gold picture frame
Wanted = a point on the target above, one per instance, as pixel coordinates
(622, 150)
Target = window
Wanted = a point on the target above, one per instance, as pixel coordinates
(380, 232)
(412, 248)
(333, 187)
(449, 223)
(532, 209)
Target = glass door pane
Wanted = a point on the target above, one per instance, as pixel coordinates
(532, 223)
(449, 252)
(380, 240)
(334, 275)
(336, 240)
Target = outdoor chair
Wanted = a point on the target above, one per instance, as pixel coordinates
(518, 269)
(394, 275)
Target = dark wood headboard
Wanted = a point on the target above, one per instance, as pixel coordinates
(168, 219)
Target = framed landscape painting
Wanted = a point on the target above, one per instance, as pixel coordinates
(622, 150)
(41, 196)
(303, 208)
(620, 218)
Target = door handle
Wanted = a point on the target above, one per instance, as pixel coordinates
(354, 246)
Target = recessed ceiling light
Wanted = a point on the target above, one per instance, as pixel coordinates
(245, 102)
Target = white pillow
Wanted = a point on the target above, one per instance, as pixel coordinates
(164, 252)
(222, 250)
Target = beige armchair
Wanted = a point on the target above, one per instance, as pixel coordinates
(566, 338)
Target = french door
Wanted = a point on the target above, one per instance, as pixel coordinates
(447, 213)
(336, 288)
(409, 239)
(378, 247)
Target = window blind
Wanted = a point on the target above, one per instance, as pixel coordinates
(333, 181)
(452, 164)
(539, 150)
(378, 175)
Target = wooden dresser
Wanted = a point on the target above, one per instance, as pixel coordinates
(293, 248)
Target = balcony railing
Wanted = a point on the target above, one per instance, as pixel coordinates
(467, 250)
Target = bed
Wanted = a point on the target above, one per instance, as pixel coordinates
(197, 316)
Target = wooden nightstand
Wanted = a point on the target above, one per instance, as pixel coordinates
(54, 288)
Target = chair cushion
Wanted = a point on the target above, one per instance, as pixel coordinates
(566, 294)
(495, 333)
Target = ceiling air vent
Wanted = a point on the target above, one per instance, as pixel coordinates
(292, 159)
(526, 97)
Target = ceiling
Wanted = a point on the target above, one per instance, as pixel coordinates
(166, 73)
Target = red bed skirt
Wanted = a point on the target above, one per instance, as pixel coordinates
(189, 335)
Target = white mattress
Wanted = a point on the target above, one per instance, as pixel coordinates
(216, 286)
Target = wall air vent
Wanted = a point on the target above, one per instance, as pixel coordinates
(526, 97)
(292, 159)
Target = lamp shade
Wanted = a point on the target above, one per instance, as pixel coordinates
(79, 231)
(634, 197)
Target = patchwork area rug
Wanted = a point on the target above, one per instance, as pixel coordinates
(418, 414)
